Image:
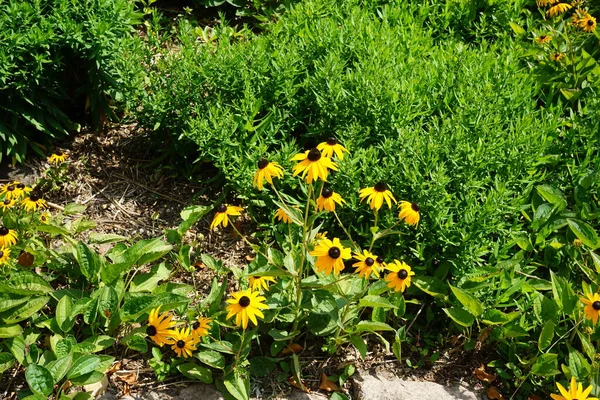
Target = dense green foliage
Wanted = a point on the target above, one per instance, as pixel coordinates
(58, 62)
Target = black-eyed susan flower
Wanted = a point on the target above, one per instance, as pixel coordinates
(8, 190)
(33, 202)
(543, 39)
(587, 23)
(330, 256)
(544, 3)
(409, 212)
(246, 305)
(183, 342)
(8, 237)
(330, 147)
(223, 213)
(21, 190)
(366, 265)
(592, 306)
(313, 165)
(200, 328)
(399, 277)
(159, 327)
(57, 159)
(376, 195)
(267, 171)
(260, 282)
(556, 57)
(380, 262)
(282, 216)
(45, 217)
(327, 200)
(4, 255)
(575, 392)
(558, 9)
(6, 204)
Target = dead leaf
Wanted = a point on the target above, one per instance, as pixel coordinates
(484, 376)
(250, 258)
(114, 367)
(534, 397)
(328, 384)
(200, 265)
(302, 387)
(129, 377)
(494, 394)
(293, 348)
(482, 337)
(25, 259)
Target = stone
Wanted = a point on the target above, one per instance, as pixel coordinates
(97, 389)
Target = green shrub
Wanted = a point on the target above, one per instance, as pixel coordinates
(58, 62)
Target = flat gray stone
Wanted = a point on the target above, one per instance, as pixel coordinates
(377, 387)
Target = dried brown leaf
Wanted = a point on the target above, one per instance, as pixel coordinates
(327, 384)
(494, 394)
(484, 376)
(293, 348)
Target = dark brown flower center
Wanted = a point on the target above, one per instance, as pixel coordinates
(262, 164)
(222, 208)
(380, 187)
(151, 330)
(6, 202)
(596, 305)
(1, 254)
(334, 252)
(34, 197)
(415, 207)
(21, 186)
(327, 193)
(196, 325)
(590, 22)
(332, 141)
(180, 344)
(10, 188)
(543, 37)
(244, 301)
(314, 155)
(402, 274)
(369, 261)
(379, 260)
(3, 231)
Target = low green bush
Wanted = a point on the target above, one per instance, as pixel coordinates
(58, 62)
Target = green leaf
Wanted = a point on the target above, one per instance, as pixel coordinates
(196, 372)
(375, 301)
(546, 336)
(64, 317)
(360, 345)
(371, 326)
(88, 260)
(578, 365)
(10, 300)
(10, 331)
(84, 365)
(74, 208)
(546, 365)
(469, 301)
(26, 283)
(585, 233)
(103, 238)
(87, 379)
(595, 259)
(516, 28)
(217, 291)
(6, 361)
(563, 293)
(460, 316)
(237, 386)
(136, 342)
(211, 358)
(59, 368)
(587, 346)
(134, 307)
(191, 215)
(552, 195)
(24, 311)
(151, 250)
(16, 346)
(432, 286)
(149, 281)
(39, 379)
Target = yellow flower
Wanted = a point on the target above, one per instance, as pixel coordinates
(327, 200)
(543, 39)
(556, 57)
(4, 255)
(556, 10)
(6, 204)
(592, 306)
(183, 342)
(587, 23)
(57, 159)
(267, 170)
(409, 212)
(245, 305)
(367, 264)
(33, 202)
(399, 277)
(330, 256)
(281, 215)
(313, 165)
(258, 282)
(14, 190)
(575, 392)
(8, 237)
(544, 3)
(376, 195)
(223, 213)
(331, 146)
(45, 217)
(200, 328)
(159, 327)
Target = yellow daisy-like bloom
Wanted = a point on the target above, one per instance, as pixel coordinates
(592, 306)
(556, 57)
(558, 9)
(587, 23)
(33, 202)
(45, 217)
(399, 277)
(258, 282)
(281, 215)
(159, 327)
(544, 3)
(4, 255)
(8, 237)
(327, 200)
(331, 146)
(183, 342)
(409, 212)
(223, 213)
(14, 190)
(6, 204)
(330, 256)
(57, 159)
(200, 328)
(246, 305)
(367, 264)
(575, 392)
(543, 39)
(267, 170)
(313, 165)
(376, 195)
